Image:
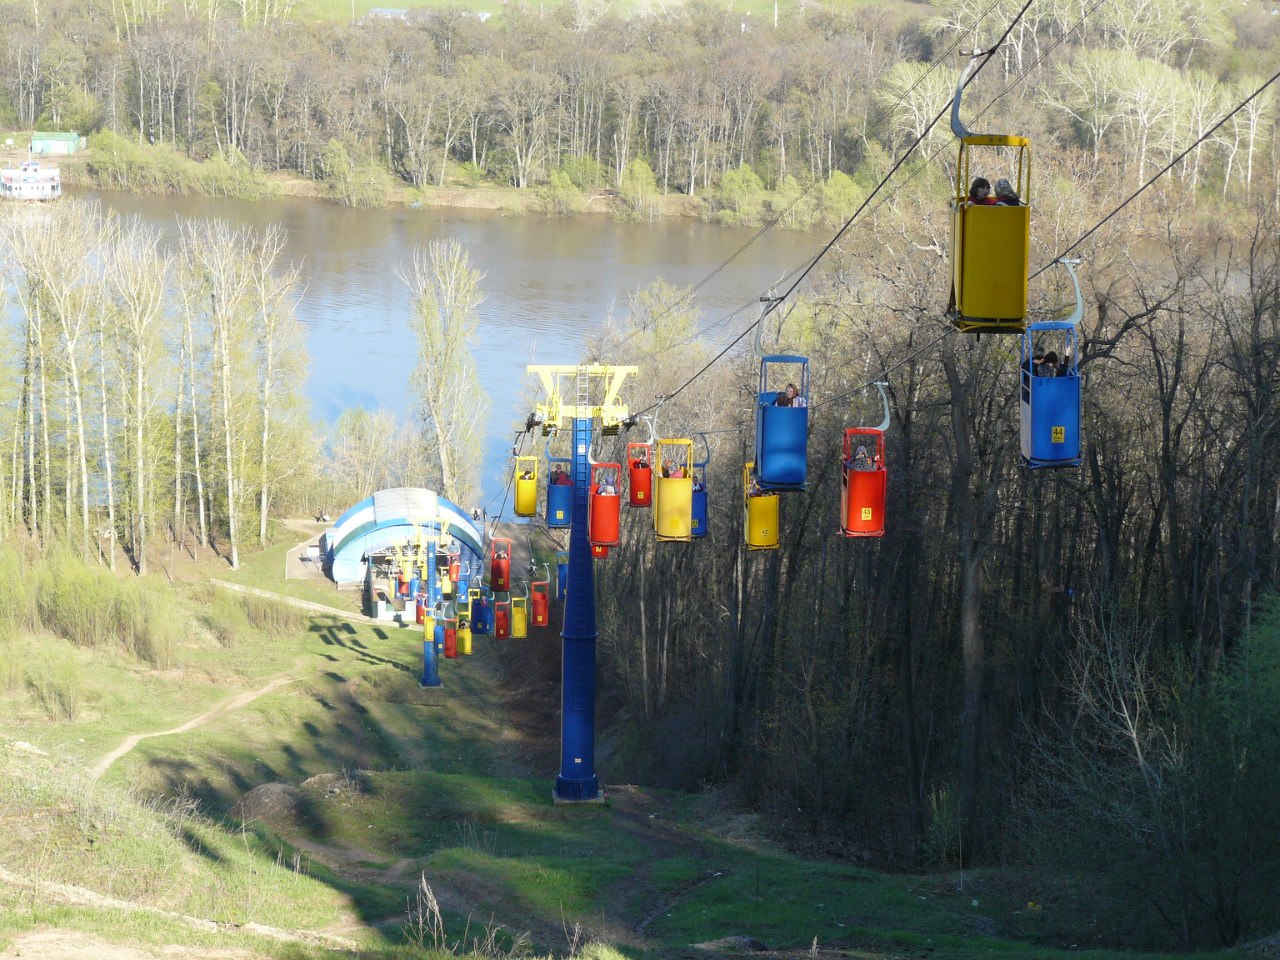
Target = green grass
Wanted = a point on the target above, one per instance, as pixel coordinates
(393, 782)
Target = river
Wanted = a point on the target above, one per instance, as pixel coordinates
(549, 283)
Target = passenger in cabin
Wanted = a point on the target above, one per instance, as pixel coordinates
(500, 555)
(980, 193)
(698, 485)
(1006, 196)
(753, 488)
(666, 469)
(640, 463)
(560, 477)
(1037, 358)
(862, 460)
(793, 397)
(677, 473)
(606, 486)
(527, 475)
(1051, 367)
(782, 400)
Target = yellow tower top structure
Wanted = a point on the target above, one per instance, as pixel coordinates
(572, 399)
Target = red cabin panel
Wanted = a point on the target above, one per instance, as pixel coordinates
(598, 551)
(451, 643)
(500, 564)
(502, 623)
(863, 482)
(541, 609)
(640, 474)
(604, 505)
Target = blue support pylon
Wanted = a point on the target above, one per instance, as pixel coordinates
(577, 780)
(430, 663)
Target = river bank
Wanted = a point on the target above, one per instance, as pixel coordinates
(116, 163)
(159, 171)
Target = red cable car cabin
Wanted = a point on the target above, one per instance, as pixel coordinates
(862, 483)
(640, 474)
(502, 619)
(540, 602)
(604, 505)
(500, 564)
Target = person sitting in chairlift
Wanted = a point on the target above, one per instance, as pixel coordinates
(782, 400)
(698, 485)
(1006, 196)
(862, 460)
(980, 193)
(793, 397)
(560, 477)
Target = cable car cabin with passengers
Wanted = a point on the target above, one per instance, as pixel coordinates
(863, 479)
(464, 633)
(759, 512)
(559, 492)
(526, 486)
(782, 422)
(639, 474)
(990, 235)
(499, 564)
(604, 505)
(1050, 401)
(481, 613)
(673, 490)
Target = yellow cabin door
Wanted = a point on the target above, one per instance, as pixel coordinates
(673, 508)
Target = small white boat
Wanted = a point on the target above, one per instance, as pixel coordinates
(30, 181)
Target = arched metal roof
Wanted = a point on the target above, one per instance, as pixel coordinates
(393, 517)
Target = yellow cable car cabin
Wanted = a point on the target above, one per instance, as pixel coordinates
(759, 512)
(990, 240)
(526, 486)
(673, 489)
(519, 617)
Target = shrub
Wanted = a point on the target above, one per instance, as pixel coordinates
(838, 198)
(637, 192)
(740, 199)
(560, 197)
(584, 172)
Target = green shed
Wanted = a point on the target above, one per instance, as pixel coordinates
(57, 143)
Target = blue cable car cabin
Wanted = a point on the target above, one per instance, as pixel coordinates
(562, 575)
(782, 423)
(699, 526)
(559, 492)
(1050, 405)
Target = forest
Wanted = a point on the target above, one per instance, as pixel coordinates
(1065, 669)
(688, 98)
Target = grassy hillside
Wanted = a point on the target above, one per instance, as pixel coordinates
(279, 786)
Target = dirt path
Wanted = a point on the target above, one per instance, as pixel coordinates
(307, 605)
(81, 896)
(227, 706)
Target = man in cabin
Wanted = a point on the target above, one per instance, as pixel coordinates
(1006, 196)
(862, 460)
(560, 477)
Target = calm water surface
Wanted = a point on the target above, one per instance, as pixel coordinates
(548, 285)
